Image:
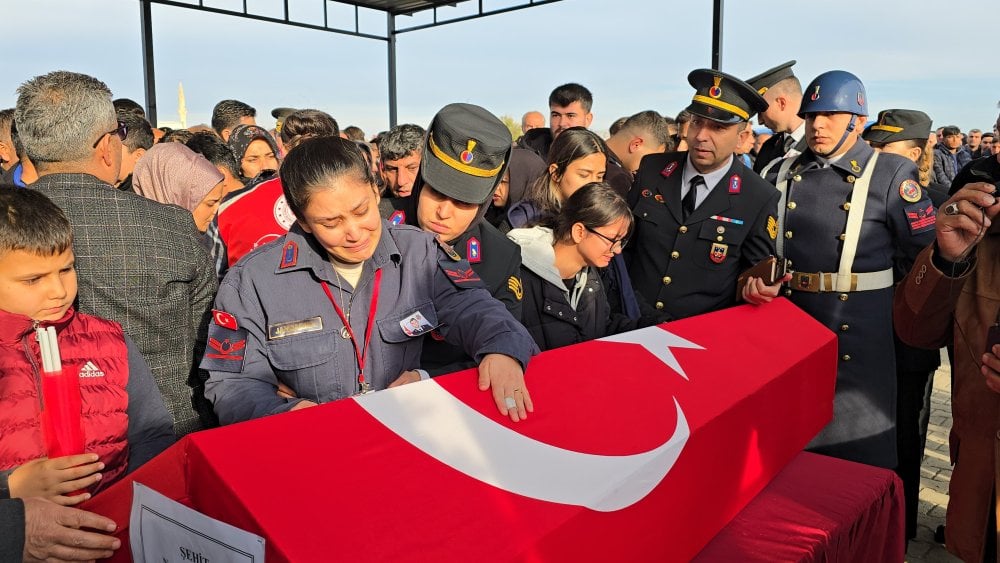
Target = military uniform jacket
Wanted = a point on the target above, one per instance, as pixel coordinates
(274, 323)
(497, 260)
(774, 148)
(893, 232)
(690, 267)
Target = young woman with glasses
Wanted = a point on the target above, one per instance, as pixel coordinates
(564, 299)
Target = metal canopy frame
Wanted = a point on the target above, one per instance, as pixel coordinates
(392, 9)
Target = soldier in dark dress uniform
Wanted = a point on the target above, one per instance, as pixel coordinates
(466, 154)
(905, 132)
(783, 93)
(851, 218)
(701, 217)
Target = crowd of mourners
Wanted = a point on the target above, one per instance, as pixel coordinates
(211, 275)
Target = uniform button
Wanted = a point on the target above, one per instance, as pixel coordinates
(791, 205)
(843, 328)
(574, 319)
(851, 179)
(560, 313)
(846, 206)
(797, 178)
(667, 280)
(843, 236)
(682, 229)
(720, 229)
(675, 255)
(644, 214)
(548, 307)
(720, 239)
(788, 234)
(659, 305)
(843, 297)
(846, 357)
(788, 292)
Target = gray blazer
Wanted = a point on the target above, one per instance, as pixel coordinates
(142, 264)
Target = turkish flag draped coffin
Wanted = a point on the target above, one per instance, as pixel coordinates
(642, 447)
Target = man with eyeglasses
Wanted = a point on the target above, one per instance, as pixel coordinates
(139, 262)
(701, 217)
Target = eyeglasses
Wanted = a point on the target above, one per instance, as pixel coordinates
(121, 130)
(614, 242)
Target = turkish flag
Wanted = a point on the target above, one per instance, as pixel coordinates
(642, 447)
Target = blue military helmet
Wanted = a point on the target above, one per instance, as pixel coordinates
(836, 91)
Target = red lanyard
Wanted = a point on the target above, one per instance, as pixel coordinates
(361, 354)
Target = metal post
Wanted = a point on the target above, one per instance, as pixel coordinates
(146, 16)
(391, 42)
(717, 34)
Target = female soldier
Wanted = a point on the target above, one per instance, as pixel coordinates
(564, 299)
(328, 309)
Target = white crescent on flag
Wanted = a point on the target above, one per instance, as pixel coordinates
(439, 424)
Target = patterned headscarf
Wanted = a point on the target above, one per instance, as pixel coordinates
(243, 135)
(173, 173)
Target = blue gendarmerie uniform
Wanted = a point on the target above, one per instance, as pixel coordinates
(898, 223)
(274, 323)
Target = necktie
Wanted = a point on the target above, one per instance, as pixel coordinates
(687, 204)
(789, 142)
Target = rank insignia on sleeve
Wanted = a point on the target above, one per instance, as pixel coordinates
(666, 172)
(921, 217)
(910, 191)
(473, 251)
(224, 319)
(398, 217)
(735, 184)
(718, 253)
(772, 227)
(289, 255)
(514, 285)
(226, 349)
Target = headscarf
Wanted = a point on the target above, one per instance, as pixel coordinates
(173, 173)
(241, 137)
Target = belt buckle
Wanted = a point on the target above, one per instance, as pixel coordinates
(806, 282)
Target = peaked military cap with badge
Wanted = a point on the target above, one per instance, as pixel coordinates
(280, 115)
(899, 125)
(767, 79)
(723, 98)
(464, 167)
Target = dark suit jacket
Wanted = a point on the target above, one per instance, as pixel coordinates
(141, 263)
(671, 260)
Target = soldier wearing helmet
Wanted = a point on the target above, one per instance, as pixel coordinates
(847, 217)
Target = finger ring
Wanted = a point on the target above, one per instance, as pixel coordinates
(951, 208)
(517, 390)
(510, 402)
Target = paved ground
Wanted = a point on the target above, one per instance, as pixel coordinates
(935, 474)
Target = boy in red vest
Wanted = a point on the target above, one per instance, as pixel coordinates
(125, 422)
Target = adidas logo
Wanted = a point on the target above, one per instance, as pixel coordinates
(90, 370)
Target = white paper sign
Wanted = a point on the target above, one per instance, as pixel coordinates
(162, 530)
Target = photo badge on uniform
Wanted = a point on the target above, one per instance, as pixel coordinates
(415, 324)
(473, 252)
(718, 253)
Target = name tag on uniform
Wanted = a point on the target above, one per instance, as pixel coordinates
(282, 330)
(415, 325)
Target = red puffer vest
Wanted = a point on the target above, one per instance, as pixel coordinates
(91, 347)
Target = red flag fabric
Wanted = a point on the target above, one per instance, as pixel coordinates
(642, 447)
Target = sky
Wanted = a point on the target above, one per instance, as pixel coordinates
(632, 54)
